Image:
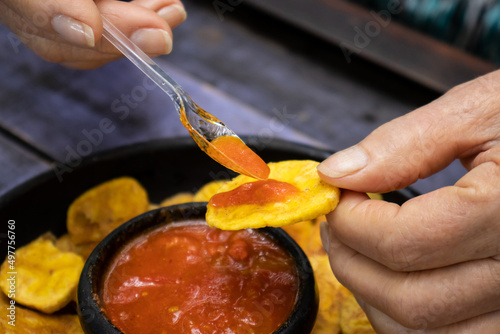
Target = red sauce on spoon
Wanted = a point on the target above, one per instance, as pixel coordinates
(238, 157)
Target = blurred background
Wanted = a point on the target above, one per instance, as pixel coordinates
(473, 26)
(319, 72)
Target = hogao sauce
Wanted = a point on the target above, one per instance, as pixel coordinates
(190, 278)
(258, 192)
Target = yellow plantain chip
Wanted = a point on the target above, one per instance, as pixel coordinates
(65, 244)
(314, 198)
(103, 208)
(20, 320)
(375, 196)
(153, 206)
(301, 232)
(307, 235)
(178, 198)
(328, 319)
(353, 319)
(338, 310)
(45, 277)
(208, 190)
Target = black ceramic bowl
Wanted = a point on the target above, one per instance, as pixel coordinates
(90, 306)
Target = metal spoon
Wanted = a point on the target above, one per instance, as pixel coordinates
(202, 126)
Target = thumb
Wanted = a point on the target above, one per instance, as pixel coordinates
(418, 144)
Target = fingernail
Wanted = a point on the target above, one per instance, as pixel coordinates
(148, 39)
(173, 14)
(328, 238)
(344, 163)
(361, 302)
(324, 231)
(73, 30)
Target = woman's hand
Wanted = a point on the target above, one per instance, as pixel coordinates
(431, 265)
(69, 32)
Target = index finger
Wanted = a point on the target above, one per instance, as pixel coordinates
(447, 226)
(422, 299)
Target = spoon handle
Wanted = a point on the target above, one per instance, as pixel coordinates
(144, 63)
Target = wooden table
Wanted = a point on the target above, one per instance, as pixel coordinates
(261, 75)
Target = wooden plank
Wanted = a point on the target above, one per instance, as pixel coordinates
(72, 113)
(17, 164)
(377, 37)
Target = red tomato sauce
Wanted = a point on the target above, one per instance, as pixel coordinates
(242, 159)
(190, 278)
(258, 192)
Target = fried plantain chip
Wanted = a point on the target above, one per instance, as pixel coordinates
(338, 310)
(103, 208)
(27, 321)
(208, 190)
(65, 244)
(179, 198)
(45, 277)
(375, 196)
(328, 319)
(301, 233)
(153, 206)
(314, 198)
(353, 319)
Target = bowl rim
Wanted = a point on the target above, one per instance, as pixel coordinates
(90, 310)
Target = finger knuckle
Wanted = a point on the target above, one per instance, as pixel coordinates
(494, 274)
(398, 253)
(412, 313)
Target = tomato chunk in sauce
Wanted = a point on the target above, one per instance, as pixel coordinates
(190, 278)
